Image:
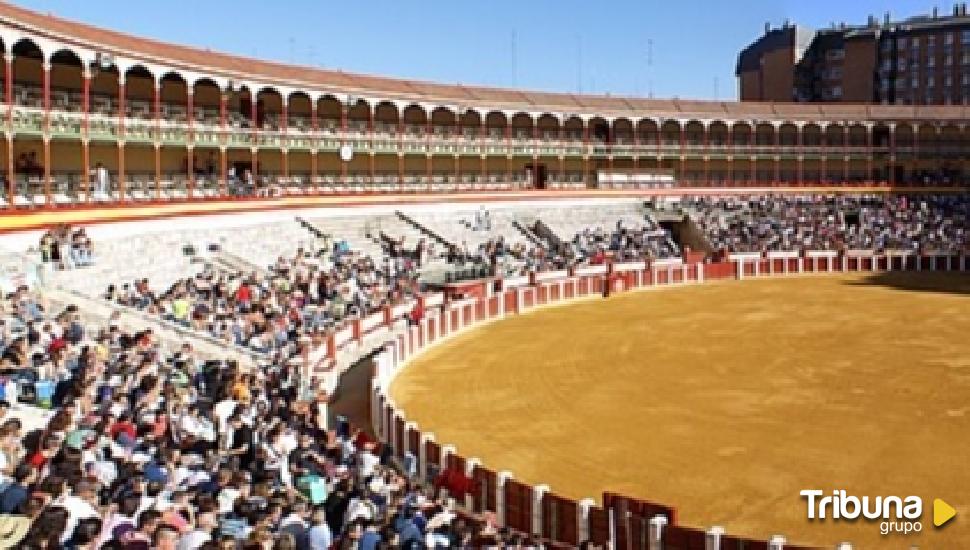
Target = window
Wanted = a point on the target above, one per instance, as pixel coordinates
(835, 73)
(948, 60)
(930, 41)
(930, 81)
(914, 43)
(965, 36)
(914, 82)
(900, 83)
(948, 38)
(931, 61)
(948, 81)
(965, 79)
(837, 92)
(901, 65)
(965, 58)
(901, 44)
(835, 54)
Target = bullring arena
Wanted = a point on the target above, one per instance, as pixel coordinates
(247, 304)
(726, 398)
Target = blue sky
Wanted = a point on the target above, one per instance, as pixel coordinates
(681, 49)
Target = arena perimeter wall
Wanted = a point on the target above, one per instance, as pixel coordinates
(615, 520)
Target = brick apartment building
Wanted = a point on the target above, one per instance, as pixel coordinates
(923, 60)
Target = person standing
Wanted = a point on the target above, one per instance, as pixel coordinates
(101, 180)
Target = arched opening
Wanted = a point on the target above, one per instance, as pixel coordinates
(471, 124)
(573, 129)
(496, 123)
(358, 117)
(522, 126)
(548, 127)
(206, 97)
(443, 122)
(670, 134)
(647, 132)
(764, 135)
(694, 133)
(622, 131)
(788, 135)
(386, 118)
(741, 135)
(298, 112)
(269, 109)
(328, 114)
(415, 120)
(599, 130)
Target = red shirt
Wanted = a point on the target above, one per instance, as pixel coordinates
(243, 294)
(123, 427)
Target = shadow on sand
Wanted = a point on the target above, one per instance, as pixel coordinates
(919, 281)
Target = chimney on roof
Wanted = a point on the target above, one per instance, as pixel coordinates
(787, 24)
(767, 27)
(956, 10)
(887, 18)
(936, 12)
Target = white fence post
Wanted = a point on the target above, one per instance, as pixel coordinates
(657, 524)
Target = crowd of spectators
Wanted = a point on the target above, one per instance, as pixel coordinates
(153, 447)
(66, 247)
(271, 311)
(928, 223)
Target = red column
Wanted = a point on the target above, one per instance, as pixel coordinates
(729, 141)
(121, 171)
(508, 151)
(344, 111)
(683, 144)
(370, 132)
(158, 171)
(636, 146)
(916, 163)
(223, 139)
(190, 114)
(85, 133)
(46, 73)
(285, 115)
(254, 151)
(8, 97)
(586, 153)
(845, 154)
(777, 155)
(753, 159)
(799, 131)
(823, 154)
(157, 103)
(707, 157)
(869, 153)
(892, 154)
(313, 150)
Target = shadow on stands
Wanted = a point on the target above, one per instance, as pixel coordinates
(924, 281)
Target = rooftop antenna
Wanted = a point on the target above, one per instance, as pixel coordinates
(579, 63)
(514, 60)
(650, 67)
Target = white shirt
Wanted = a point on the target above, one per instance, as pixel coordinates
(223, 410)
(193, 539)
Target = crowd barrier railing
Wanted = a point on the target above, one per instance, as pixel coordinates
(614, 520)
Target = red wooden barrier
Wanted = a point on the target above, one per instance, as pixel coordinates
(518, 506)
(414, 441)
(599, 526)
(399, 437)
(559, 519)
(683, 538)
(486, 483)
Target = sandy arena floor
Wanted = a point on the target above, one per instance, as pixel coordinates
(725, 400)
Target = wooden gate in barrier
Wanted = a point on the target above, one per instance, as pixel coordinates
(559, 519)
(518, 506)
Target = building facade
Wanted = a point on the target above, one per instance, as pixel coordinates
(922, 60)
(92, 115)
